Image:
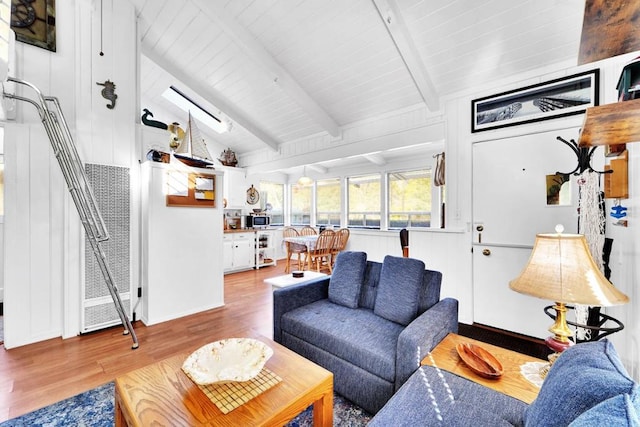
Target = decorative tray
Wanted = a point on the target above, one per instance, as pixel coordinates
(479, 360)
(230, 360)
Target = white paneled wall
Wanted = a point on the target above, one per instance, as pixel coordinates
(43, 268)
(446, 251)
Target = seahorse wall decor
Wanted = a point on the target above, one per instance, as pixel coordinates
(109, 92)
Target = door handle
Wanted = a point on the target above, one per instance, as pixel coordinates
(486, 252)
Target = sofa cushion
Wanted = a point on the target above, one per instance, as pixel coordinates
(433, 397)
(370, 285)
(621, 410)
(399, 289)
(582, 377)
(353, 334)
(347, 277)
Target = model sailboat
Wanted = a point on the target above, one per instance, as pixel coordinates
(192, 150)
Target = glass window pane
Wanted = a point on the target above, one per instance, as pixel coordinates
(364, 201)
(301, 204)
(328, 202)
(273, 195)
(410, 199)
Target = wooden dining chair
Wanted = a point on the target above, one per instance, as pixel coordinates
(293, 248)
(321, 254)
(308, 231)
(339, 243)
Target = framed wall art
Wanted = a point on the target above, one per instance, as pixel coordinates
(556, 98)
(34, 22)
(190, 189)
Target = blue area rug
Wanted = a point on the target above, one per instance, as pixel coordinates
(94, 408)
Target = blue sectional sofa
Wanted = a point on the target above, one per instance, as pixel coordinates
(586, 387)
(370, 323)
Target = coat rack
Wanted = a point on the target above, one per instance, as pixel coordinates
(584, 155)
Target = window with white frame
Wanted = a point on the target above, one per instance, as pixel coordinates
(409, 199)
(272, 194)
(301, 204)
(328, 206)
(364, 201)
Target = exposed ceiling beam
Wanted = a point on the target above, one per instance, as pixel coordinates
(213, 97)
(214, 9)
(318, 168)
(392, 17)
(375, 158)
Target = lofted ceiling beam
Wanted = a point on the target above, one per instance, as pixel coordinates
(375, 158)
(392, 17)
(214, 10)
(318, 168)
(211, 96)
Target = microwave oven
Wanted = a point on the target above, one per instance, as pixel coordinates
(258, 221)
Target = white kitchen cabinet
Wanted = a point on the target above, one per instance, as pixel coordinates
(239, 251)
(265, 248)
(235, 187)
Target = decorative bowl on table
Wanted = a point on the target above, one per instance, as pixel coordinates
(479, 360)
(229, 360)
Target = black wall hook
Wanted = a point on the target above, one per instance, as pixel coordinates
(584, 155)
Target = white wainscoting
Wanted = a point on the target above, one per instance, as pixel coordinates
(447, 251)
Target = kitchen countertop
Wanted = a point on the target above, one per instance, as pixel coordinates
(247, 230)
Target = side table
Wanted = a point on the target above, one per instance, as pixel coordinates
(511, 383)
(288, 279)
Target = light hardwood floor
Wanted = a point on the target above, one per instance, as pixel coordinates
(40, 374)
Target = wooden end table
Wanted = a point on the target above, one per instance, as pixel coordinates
(511, 383)
(161, 394)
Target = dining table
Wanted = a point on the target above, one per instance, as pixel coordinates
(308, 241)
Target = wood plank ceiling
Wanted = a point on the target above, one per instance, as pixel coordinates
(282, 70)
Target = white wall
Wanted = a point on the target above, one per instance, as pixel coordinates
(446, 251)
(625, 256)
(181, 263)
(43, 237)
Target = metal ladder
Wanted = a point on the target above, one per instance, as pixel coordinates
(81, 192)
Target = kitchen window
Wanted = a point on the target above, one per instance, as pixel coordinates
(301, 204)
(328, 206)
(409, 196)
(364, 201)
(272, 195)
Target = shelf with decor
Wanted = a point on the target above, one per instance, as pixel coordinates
(613, 126)
(265, 248)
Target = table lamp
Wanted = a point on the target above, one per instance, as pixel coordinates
(561, 269)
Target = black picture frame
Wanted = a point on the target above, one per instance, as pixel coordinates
(560, 97)
(34, 22)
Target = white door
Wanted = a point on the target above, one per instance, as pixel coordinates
(510, 206)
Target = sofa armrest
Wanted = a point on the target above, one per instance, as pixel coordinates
(292, 297)
(422, 335)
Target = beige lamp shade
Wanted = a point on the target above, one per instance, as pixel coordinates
(561, 269)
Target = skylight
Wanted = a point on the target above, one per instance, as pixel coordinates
(182, 101)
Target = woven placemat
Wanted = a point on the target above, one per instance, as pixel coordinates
(229, 396)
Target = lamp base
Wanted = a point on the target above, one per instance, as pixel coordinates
(557, 346)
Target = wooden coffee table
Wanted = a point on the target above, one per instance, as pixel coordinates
(511, 383)
(161, 394)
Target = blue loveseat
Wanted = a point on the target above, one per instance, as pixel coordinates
(586, 387)
(370, 323)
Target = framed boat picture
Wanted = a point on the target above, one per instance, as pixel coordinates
(552, 99)
(34, 22)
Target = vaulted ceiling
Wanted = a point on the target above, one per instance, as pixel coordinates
(278, 71)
